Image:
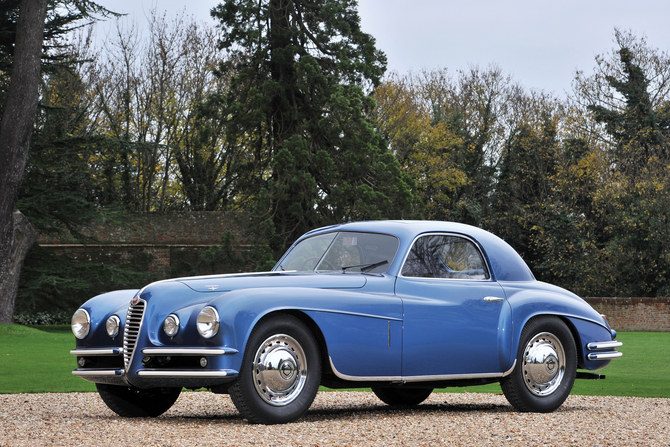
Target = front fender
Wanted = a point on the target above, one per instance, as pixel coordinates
(100, 308)
(241, 311)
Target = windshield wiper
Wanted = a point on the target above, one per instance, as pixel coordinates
(365, 267)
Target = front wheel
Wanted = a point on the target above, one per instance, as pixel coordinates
(136, 403)
(280, 373)
(402, 396)
(546, 367)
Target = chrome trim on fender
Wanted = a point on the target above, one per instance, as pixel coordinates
(420, 378)
(98, 372)
(363, 379)
(86, 352)
(189, 351)
(194, 374)
(493, 299)
(594, 346)
(604, 355)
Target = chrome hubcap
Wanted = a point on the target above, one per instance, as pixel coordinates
(280, 370)
(543, 364)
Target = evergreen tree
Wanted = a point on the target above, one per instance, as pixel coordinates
(298, 110)
(639, 129)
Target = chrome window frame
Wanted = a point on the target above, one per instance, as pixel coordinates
(458, 235)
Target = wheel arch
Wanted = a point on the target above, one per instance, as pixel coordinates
(311, 325)
(565, 319)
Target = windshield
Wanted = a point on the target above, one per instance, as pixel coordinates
(343, 251)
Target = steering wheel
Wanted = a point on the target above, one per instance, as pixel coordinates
(315, 258)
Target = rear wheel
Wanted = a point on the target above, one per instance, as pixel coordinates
(546, 366)
(402, 396)
(136, 403)
(280, 373)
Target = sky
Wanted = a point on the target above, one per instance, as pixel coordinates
(539, 43)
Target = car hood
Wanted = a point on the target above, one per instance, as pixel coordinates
(227, 283)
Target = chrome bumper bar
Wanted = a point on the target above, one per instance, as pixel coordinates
(98, 372)
(188, 351)
(190, 374)
(604, 350)
(87, 352)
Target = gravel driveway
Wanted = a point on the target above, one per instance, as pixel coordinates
(338, 418)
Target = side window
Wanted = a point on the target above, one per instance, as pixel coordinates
(441, 256)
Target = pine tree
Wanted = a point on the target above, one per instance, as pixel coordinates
(298, 108)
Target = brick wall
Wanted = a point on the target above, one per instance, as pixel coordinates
(635, 314)
(192, 228)
(166, 238)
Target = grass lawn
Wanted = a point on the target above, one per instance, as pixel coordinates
(38, 360)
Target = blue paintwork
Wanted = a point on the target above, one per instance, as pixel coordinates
(375, 326)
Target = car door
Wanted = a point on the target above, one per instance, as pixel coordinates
(454, 315)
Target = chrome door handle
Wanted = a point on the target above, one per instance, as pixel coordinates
(493, 299)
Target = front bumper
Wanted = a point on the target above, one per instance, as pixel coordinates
(162, 367)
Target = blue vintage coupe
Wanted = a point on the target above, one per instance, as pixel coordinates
(401, 307)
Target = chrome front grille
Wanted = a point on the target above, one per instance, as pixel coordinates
(132, 330)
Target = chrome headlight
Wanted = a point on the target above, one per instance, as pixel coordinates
(112, 325)
(171, 325)
(208, 322)
(81, 323)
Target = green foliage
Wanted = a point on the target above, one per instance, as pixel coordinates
(227, 257)
(53, 283)
(298, 109)
(43, 318)
(63, 16)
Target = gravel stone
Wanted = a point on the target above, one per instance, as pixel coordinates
(338, 419)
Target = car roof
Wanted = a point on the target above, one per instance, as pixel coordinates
(505, 262)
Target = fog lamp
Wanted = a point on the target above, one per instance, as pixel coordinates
(112, 325)
(203, 362)
(171, 325)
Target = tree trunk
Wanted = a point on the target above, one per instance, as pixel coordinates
(15, 133)
(24, 237)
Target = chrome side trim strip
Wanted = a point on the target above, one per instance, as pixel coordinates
(604, 355)
(85, 352)
(194, 374)
(420, 378)
(509, 371)
(594, 346)
(189, 351)
(493, 299)
(363, 379)
(98, 372)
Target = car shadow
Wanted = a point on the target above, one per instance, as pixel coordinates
(347, 412)
(344, 412)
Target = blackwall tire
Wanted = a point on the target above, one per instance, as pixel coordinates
(545, 369)
(402, 396)
(136, 403)
(280, 373)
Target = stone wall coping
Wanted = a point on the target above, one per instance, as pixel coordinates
(627, 300)
(131, 245)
